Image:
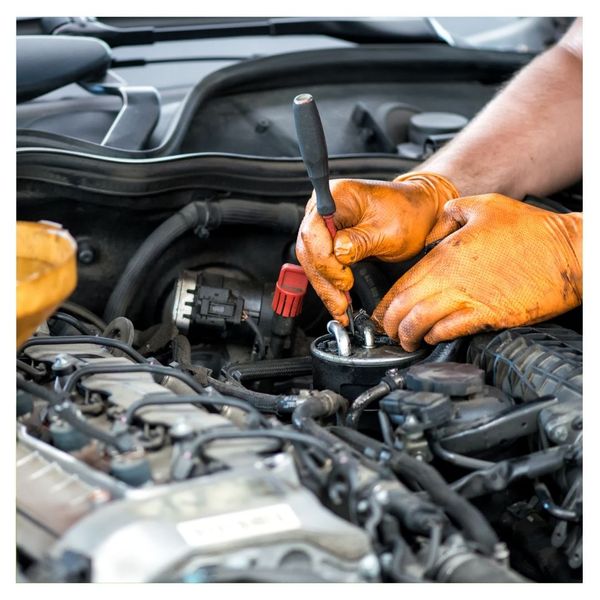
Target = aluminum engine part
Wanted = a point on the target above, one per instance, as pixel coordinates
(258, 516)
(53, 491)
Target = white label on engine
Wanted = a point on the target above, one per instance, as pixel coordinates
(239, 525)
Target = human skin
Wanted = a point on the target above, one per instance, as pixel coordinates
(527, 140)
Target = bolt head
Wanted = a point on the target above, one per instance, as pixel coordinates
(86, 254)
(560, 434)
(180, 430)
(369, 567)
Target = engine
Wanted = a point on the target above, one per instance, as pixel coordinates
(214, 427)
(192, 414)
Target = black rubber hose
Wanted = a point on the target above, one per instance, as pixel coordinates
(31, 371)
(270, 369)
(82, 339)
(283, 435)
(370, 285)
(504, 472)
(263, 402)
(153, 247)
(284, 216)
(282, 404)
(280, 217)
(315, 407)
(364, 400)
(133, 368)
(73, 322)
(445, 351)
(326, 404)
(460, 509)
(164, 399)
(83, 313)
(268, 403)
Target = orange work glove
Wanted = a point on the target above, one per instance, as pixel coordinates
(502, 264)
(387, 220)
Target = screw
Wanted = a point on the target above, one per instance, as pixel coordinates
(369, 567)
(382, 496)
(61, 361)
(262, 126)
(63, 365)
(180, 430)
(560, 434)
(85, 253)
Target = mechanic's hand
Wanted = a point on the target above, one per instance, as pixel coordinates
(388, 220)
(506, 264)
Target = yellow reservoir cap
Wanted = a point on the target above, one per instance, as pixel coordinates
(46, 273)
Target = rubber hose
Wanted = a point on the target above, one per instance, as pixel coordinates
(461, 510)
(73, 322)
(315, 408)
(270, 369)
(83, 313)
(264, 402)
(84, 339)
(445, 352)
(154, 245)
(281, 217)
(370, 285)
(284, 216)
(363, 401)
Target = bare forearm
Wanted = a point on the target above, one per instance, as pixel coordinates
(528, 140)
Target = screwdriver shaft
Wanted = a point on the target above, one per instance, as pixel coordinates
(349, 312)
(313, 148)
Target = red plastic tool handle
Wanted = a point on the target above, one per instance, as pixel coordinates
(332, 231)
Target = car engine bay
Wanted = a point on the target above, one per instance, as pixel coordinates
(192, 414)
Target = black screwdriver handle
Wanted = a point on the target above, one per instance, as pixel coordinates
(313, 148)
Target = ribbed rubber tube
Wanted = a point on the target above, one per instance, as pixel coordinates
(270, 369)
(280, 217)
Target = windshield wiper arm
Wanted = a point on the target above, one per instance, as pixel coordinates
(361, 31)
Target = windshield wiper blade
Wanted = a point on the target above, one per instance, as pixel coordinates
(361, 31)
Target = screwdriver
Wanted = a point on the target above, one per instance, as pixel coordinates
(311, 139)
